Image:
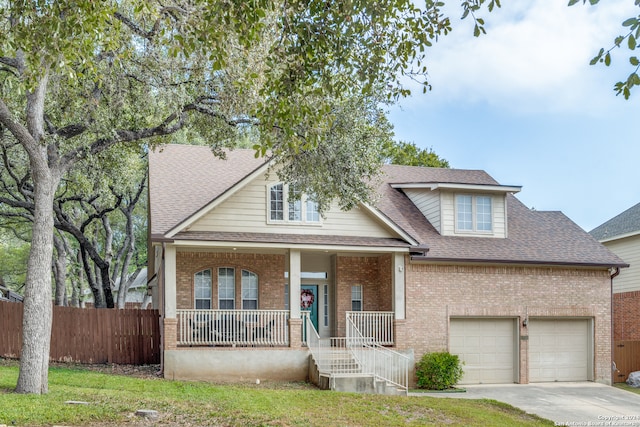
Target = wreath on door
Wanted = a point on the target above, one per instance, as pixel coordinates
(306, 298)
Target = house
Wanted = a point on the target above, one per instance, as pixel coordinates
(252, 285)
(7, 294)
(621, 235)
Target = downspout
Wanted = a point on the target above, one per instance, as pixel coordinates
(614, 369)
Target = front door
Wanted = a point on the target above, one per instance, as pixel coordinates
(309, 302)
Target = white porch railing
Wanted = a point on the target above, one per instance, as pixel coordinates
(383, 363)
(233, 327)
(377, 325)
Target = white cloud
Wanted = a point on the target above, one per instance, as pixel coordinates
(534, 57)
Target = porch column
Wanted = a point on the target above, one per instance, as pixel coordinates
(170, 282)
(295, 321)
(294, 283)
(398, 286)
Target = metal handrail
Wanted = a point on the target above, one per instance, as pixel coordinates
(381, 362)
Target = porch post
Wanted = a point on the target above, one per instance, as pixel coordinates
(398, 286)
(295, 321)
(294, 283)
(170, 282)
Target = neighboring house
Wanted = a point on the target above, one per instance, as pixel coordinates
(621, 234)
(446, 260)
(7, 294)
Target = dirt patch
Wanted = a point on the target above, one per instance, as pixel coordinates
(139, 371)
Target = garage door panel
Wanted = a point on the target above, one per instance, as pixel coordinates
(487, 349)
(559, 350)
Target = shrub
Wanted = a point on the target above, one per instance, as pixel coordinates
(438, 371)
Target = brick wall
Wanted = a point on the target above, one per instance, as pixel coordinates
(626, 316)
(373, 274)
(269, 268)
(435, 293)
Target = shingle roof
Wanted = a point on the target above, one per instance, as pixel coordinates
(184, 179)
(533, 236)
(625, 223)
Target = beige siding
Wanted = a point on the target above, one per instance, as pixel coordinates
(629, 250)
(449, 217)
(428, 202)
(246, 211)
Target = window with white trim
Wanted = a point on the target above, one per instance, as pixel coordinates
(226, 288)
(326, 305)
(288, 205)
(276, 202)
(249, 290)
(313, 214)
(474, 213)
(356, 298)
(202, 290)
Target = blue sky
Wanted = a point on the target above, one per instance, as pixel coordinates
(523, 103)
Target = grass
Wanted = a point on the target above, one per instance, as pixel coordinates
(627, 387)
(113, 400)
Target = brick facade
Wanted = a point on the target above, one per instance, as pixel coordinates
(373, 274)
(269, 268)
(435, 293)
(626, 316)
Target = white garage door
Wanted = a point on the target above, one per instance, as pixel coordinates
(486, 346)
(559, 350)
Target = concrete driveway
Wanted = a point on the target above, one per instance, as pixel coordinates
(578, 403)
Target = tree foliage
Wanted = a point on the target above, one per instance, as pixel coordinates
(628, 39)
(408, 153)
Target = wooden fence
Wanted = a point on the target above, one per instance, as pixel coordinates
(126, 336)
(626, 356)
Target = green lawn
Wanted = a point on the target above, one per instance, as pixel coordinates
(113, 400)
(625, 386)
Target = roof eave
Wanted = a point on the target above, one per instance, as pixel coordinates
(516, 262)
(459, 186)
(620, 236)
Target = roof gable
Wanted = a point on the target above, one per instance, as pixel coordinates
(185, 178)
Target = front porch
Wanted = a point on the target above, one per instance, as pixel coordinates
(274, 315)
(250, 345)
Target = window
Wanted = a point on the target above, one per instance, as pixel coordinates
(465, 214)
(356, 298)
(249, 290)
(295, 205)
(313, 215)
(289, 205)
(276, 203)
(326, 305)
(473, 213)
(483, 213)
(286, 297)
(202, 288)
(226, 288)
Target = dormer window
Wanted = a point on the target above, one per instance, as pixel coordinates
(473, 213)
(288, 205)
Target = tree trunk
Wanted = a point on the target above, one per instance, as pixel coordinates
(92, 280)
(36, 325)
(60, 270)
(76, 283)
